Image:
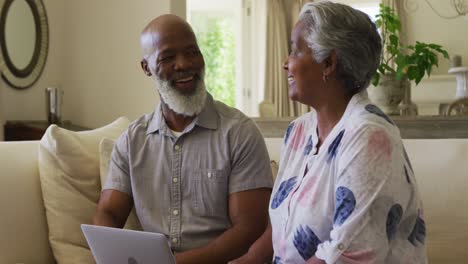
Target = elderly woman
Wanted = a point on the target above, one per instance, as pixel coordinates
(345, 191)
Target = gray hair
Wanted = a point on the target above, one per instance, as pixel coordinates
(348, 32)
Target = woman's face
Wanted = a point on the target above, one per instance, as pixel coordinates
(305, 76)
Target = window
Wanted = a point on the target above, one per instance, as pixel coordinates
(228, 37)
(214, 23)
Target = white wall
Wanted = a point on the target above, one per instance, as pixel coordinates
(29, 104)
(103, 78)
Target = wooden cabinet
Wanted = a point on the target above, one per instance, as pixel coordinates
(32, 130)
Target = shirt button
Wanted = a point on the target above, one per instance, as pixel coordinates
(177, 147)
(209, 174)
(175, 180)
(175, 212)
(340, 246)
(174, 240)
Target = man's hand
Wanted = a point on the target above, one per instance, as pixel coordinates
(248, 211)
(260, 252)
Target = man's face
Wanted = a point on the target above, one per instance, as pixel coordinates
(177, 67)
(178, 59)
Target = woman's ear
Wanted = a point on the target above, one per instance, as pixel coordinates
(145, 67)
(330, 64)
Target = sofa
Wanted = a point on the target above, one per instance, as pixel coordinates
(441, 167)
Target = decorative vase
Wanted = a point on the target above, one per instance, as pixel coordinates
(388, 94)
(461, 74)
(54, 105)
(407, 107)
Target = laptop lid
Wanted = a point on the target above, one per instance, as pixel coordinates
(121, 246)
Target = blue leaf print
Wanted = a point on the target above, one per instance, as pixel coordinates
(288, 132)
(306, 242)
(393, 219)
(407, 159)
(283, 191)
(333, 149)
(277, 260)
(419, 232)
(407, 176)
(345, 202)
(309, 146)
(376, 111)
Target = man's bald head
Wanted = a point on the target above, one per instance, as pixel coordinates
(161, 28)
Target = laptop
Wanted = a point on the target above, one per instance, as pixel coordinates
(121, 246)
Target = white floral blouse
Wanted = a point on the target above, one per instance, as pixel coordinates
(355, 200)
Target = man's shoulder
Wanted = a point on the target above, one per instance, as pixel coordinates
(139, 125)
(229, 116)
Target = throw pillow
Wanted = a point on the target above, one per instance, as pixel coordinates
(70, 183)
(105, 152)
(274, 169)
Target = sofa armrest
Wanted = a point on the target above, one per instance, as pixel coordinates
(23, 223)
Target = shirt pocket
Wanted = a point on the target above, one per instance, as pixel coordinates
(211, 192)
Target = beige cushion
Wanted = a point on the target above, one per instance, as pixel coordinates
(105, 151)
(70, 183)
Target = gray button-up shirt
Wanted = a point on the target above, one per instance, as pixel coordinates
(180, 186)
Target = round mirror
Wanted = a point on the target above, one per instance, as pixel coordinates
(24, 41)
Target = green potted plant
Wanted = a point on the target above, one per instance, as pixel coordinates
(400, 64)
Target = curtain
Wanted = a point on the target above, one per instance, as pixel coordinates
(276, 102)
(281, 18)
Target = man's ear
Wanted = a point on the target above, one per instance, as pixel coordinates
(330, 64)
(145, 67)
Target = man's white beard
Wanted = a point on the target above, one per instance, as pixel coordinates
(183, 104)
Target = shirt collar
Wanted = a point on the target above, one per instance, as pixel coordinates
(208, 117)
(156, 122)
(357, 98)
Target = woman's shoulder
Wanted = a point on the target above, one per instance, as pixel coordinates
(367, 117)
(301, 124)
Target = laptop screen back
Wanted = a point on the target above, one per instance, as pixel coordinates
(120, 246)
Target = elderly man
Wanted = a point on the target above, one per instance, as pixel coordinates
(196, 170)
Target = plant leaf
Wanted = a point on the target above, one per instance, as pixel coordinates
(376, 79)
(393, 40)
